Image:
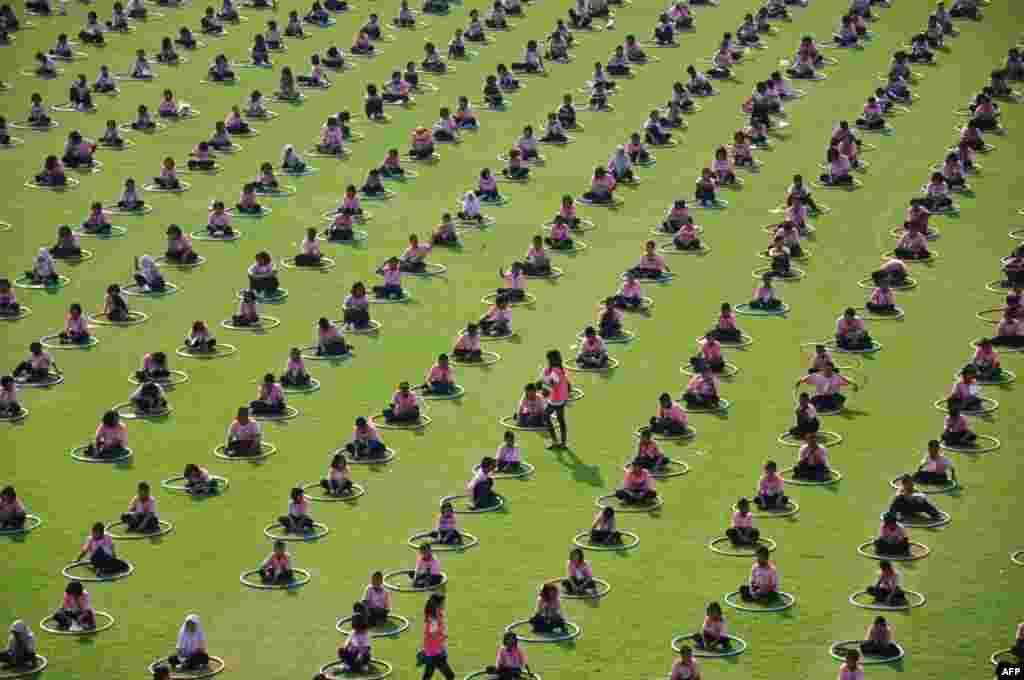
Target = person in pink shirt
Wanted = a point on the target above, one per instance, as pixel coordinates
(536, 263)
(356, 308)
(637, 486)
(434, 653)
(702, 390)
(838, 171)
(513, 283)
(886, 589)
(892, 537)
(481, 486)
(851, 333)
(199, 338)
(935, 468)
(9, 305)
(741, 531)
(427, 573)
(648, 453)
(12, 510)
(602, 187)
(764, 296)
(141, 516)
(467, 346)
(497, 322)
(723, 167)
(309, 254)
(956, 431)
(712, 633)
(806, 417)
(366, 441)
(677, 217)
(247, 203)
(686, 238)
(440, 378)
(556, 380)
(812, 463)
(263, 275)
(9, 406)
(685, 667)
(277, 567)
(710, 355)
(912, 246)
(76, 329)
(297, 520)
(609, 323)
(375, 606)
(404, 406)
(763, 584)
(827, 385)
(651, 264)
(198, 480)
(1010, 331)
(530, 412)
(295, 374)
(356, 653)
(507, 457)
(908, 503)
(603, 530)
(179, 246)
(706, 188)
(414, 259)
(38, 367)
(392, 288)
(168, 107)
(882, 300)
(247, 314)
(771, 489)
(445, 234)
(510, 663)
(851, 669)
(447, 532)
(579, 578)
(547, 616)
(218, 222)
(244, 436)
(966, 390)
(111, 439)
(168, 177)
(630, 295)
(1018, 642)
(337, 482)
(487, 188)
(558, 237)
(99, 549)
(878, 640)
(895, 270)
(75, 609)
(671, 418)
(270, 397)
(329, 340)
(725, 329)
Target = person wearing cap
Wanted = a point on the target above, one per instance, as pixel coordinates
(366, 441)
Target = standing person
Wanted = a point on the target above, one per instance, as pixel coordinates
(435, 640)
(556, 380)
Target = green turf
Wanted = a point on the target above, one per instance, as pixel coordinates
(660, 589)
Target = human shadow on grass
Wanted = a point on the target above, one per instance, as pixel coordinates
(581, 472)
(851, 413)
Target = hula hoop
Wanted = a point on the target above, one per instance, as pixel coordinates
(266, 451)
(486, 359)
(671, 249)
(342, 670)
(745, 341)
(868, 284)
(619, 506)
(310, 354)
(235, 212)
(612, 364)
(31, 522)
(691, 433)
(380, 424)
(23, 311)
(266, 298)
(62, 281)
(825, 438)
(219, 351)
(994, 659)
(312, 386)
(796, 274)
(289, 413)
(52, 380)
(134, 319)
(555, 273)
(165, 528)
(49, 625)
(477, 675)
(371, 329)
(401, 627)
(744, 309)
(788, 601)
(1017, 557)
(1007, 378)
(66, 572)
(41, 663)
(13, 142)
(127, 411)
(389, 455)
(866, 659)
(914, 600)
(430, 269)
(358, 236)
(723, 407)
(215, 666)
(666, 472)
(573, 631)
(914, 522)
(875, 347)
(988, 405)
(834, 477)
(528, 299)
(25, 125)
(932, 256)
(918, 551)
(83, 256)
(115, 210)
(987, 314)
(78, 453)
(326, 263)
(922, 487)
(172, 484)
(277, 533)
(741, 550)
(174, 264)
(302, 577)
(581, 540)
(461, 506)
(358, 491)
(740, 646)
(788, 510)
(992, 445)
(499, 338)
(265, 324)
(615, 203)
(406, 297)
(997, 287)
(525, 470)
(410, 589)
(626, 336)
(48, 342)
(182, 188)
(134, 290)
(603, 588)
(863, 312)
(468, 541)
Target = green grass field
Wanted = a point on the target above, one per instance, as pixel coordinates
(661, 588)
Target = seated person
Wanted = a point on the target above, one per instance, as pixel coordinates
(298, 520)
(592, 352)
(392, 273)
(244, 436)
(67, 246)
(141, 516)
(838, 172)
(330, 341)
(892, 537)
(295, 374)
(851, 333)
(427, 573)
(827, 385)
(366, 442)
(763, 584)
(149, 399)
(879, 640)
(547, 617)
(101, 554)
(497, 322)
(200, 339)
(882, 300)
(218, 223)
(481, 487)
(637, 486)
(886, 589)
(908, 503)
(771, 489)
(309, 254)
(179, 247)
(276, 569)
(764, 295)
(741, 531)
(111, 438)
(812, 464)
(985, 361)
(531, 410)
(648, 453)
(75, 609)
(154, 368)
(404, 407)
(440, 378)
(269, 397)
(806, 417)
(702, 389)
(671, 419)
(467, 347)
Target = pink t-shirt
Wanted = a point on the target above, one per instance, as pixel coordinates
(559, 384)
(630, 289)
(813, 456)
(580, 571)
(468, 343)
(673, 412)
(112, 436)
(684, 671)
(507, 454)
(641, 481)
(893, 533)
(714, 627)
(766, 578)
(510, 658)
(392, 277)
(846, 674)
(742, 521)
(105, 544)
(431, 566)
(366, 434)
(652, 261)
(247, 432)
(80, 604)
(143, 506)
(770, 486)
(825, 385)
(378, 598)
